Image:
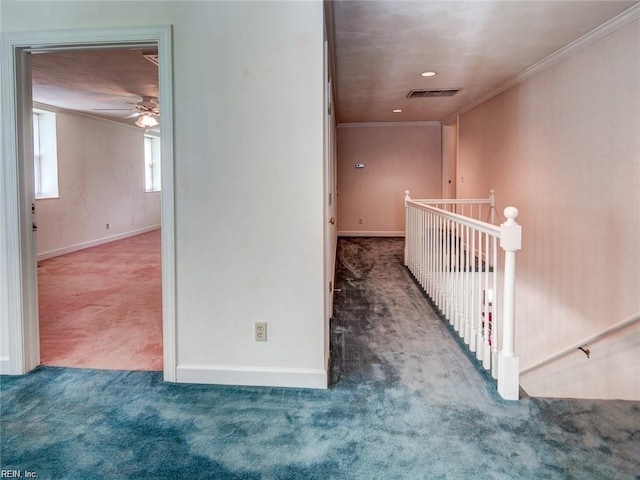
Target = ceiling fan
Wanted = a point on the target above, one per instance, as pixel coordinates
(146, 111)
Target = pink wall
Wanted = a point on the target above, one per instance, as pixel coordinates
(101, 181)
(564, 147)
(396, 158)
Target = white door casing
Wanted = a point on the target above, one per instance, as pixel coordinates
(330, 228)
(449, 159)
(20, 293)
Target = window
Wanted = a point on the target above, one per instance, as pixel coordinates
(152, 163)
(45, 155)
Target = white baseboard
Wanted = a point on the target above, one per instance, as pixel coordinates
(5, 366)
(252, 376)
(95, 243)
(355, 233)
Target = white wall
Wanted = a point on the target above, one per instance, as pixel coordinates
(564, 147)
(248, 96)
(397, 158)
(100, 181)
(4, 312)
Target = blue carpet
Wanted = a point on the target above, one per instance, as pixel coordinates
(406, 403)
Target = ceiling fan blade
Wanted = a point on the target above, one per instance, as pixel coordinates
(105, 109)
(133, 115)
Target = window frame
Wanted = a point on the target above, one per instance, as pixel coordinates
(45, 155)
(152, 163)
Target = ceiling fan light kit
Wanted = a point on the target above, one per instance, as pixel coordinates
(146, 121)
(146, 111)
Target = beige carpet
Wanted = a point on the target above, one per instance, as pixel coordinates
(102, 307)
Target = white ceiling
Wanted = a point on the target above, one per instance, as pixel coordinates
(380, 48)
(90, 80)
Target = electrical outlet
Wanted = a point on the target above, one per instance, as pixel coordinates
(107, 226)
(260, 331)
(360, 221)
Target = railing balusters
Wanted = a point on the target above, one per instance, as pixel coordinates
(494, 313)
(440, 260)
(479, 299)
(473, 345)
(429, 286)
(452, 273)
(454, 258)
(445, 264)
(467, 286)
(487, 303)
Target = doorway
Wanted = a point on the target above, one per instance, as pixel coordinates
(449, 159)
(97, 207)
(22, 294)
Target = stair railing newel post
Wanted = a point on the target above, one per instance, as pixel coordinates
(407, 233)
(508, 362)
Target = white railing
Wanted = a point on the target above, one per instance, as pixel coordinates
(453, 254)
(466, 207)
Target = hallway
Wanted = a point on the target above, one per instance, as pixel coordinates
(406, 403)
(385, 333)
(388, 341)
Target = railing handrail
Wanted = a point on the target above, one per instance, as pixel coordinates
(491, 201)
(485, 227)
(453, 201)
(458, 201)
(614, 328)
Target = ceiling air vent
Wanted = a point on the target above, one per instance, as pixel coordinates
(432, 93)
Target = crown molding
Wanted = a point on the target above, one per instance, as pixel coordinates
(594, 35)
(389, 124)
(54, 109)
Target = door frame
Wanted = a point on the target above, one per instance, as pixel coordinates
(450, 158)
(330, 212)
(21, 295)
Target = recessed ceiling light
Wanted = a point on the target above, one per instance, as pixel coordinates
(397, 110)
(428, 74)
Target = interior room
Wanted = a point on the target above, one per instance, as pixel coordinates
(97, 208)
